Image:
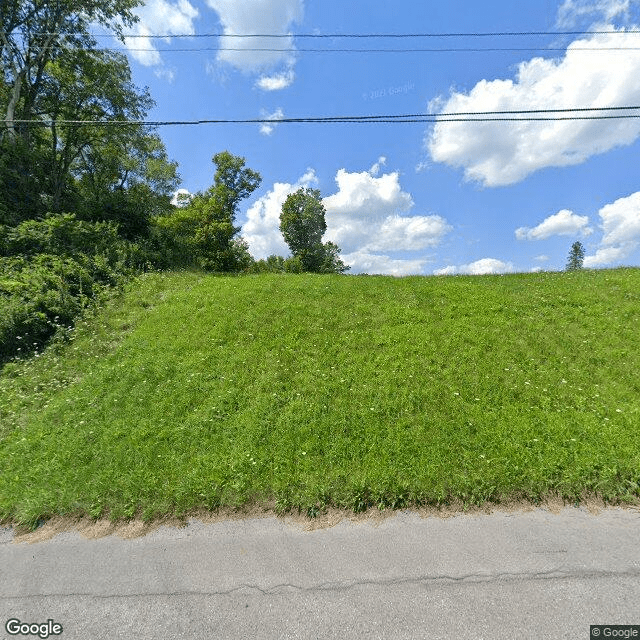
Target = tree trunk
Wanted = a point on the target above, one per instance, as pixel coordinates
(11, 107)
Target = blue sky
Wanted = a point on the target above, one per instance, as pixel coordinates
(412, 198)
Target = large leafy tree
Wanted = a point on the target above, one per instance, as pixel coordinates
(35, 32)
(88, 86)
(114, 172)
(302, 223)
(204, 231)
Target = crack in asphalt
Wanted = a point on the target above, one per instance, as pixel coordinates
(475, 578)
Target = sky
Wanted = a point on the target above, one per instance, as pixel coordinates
(411, 198)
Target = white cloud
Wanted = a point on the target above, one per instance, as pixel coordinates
(364, 215)
(479, 267)
(262, 229)
(362, 219)
(167, 74)
(563, 223)
(621, 220)
(409, 233)
(499, 154)
(571, 11)
(541, 258)
(159, 17)
(267, 129)
(375, 168)
(260, 17)
(621, 227)
(373, 264)
(609, 255)
(276, 82)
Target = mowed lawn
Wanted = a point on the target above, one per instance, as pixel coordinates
(194, 391)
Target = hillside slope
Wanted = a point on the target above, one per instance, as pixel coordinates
(194, 391)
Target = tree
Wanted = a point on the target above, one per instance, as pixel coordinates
(53, 72)
(302, 223)
(204, 231)
(232, 182)
(89, 86)
(331, 262)
(576, 257)
(35, 32)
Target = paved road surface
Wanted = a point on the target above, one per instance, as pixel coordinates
(534, 574)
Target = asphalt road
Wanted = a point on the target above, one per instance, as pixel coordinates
(534, 574)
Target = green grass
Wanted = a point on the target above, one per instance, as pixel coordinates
(197, 392)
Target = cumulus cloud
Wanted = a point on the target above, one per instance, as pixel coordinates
(262, 229)
(259, 16)
(571, 12)
(479, 267)
(374, 264)
(362, 219)
(276, 82)
(267, 129)
(409, 233)
(498, 154)
(621, 231)
(159, 17)
(364, 214)
(563, 223)
(621, 220)
(609, 255)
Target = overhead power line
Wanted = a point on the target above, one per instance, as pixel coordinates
(360, 36)
(386, 50)
(476, 34)
(541, 115)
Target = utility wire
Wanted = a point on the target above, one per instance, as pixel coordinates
(364, 36)
(386, 50)
(490, 34)
(462, 116)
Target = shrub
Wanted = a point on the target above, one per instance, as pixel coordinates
(51, 270)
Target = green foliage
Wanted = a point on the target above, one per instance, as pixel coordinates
(51, 270)
(118, 173)
(40, 295)
(202, 233)
(273, 264)
(276, 264)
(576, 257)
(113, 180)
(331, 262)
(233, 182)
(242, 259)
(61, 234)
(302, 223)
(22, 170)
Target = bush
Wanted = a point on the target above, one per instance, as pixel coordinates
(36, 297)
(61, 234)
(273, 264)
(51, 270)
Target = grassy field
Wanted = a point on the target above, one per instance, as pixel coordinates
(306, 391)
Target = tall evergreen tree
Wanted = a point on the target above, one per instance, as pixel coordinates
(576, 257)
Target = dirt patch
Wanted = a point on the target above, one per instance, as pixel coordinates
(136, 527)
